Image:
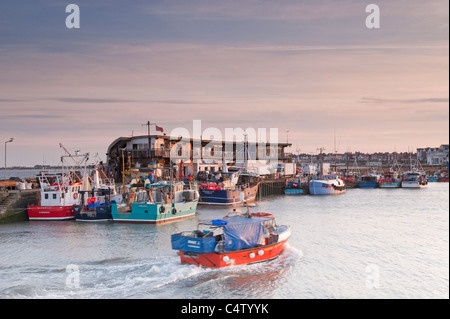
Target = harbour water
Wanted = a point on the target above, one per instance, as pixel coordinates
(366, 243)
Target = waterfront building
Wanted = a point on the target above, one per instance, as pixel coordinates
(150, 152)
(435, 156)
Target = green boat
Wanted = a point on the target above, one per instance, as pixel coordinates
(158, 203)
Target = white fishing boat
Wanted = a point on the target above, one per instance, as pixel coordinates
(414, 179)
(326, 184)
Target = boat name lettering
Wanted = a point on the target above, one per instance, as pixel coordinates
(193, 244)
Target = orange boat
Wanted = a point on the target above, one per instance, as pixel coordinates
(233, 240)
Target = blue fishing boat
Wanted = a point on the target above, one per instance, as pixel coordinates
(369, 181)
(390, 180)
(159, 203)
(95, 207)
(434, 177)
(97, 194)
(296, 187)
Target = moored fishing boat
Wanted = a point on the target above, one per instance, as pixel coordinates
(95, 203)
(229, 188)
(351, 181)
(57, 198)
(233, 240)
(443, 179)
(296, 187)
(327, 185)
(392, 177)
(414, 179)
(59, 192)
(160, 203)
(390, 180)
(369, 181)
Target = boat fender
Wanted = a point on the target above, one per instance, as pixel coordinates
(252, 255)
(162, 209)
(174, 211)
(226, 258)
(260, 252)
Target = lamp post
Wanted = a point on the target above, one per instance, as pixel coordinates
(10, 140)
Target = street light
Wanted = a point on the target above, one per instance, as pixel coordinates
(10, 140)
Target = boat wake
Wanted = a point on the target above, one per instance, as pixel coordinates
(158, 277)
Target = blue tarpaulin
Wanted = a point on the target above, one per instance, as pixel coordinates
(241, 232)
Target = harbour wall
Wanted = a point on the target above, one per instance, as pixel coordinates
(13, 204)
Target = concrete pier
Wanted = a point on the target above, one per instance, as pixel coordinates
(13, 204)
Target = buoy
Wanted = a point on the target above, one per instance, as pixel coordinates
(252, 255)
(226, 258)
(260, 252)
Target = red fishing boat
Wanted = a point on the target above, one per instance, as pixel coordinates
(59, 192)
(233, 240)
(57, 198)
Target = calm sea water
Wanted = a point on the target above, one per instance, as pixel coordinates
(366, 243)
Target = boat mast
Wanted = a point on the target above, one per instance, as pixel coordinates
(245, 151)
(321, 149)
(224, 163)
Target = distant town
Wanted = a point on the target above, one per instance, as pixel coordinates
(428, 156)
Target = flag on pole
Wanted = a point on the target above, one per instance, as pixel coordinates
(159, 128)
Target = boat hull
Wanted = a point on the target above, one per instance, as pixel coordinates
(367, 184)
(152, 213)
(99, 214)
(241, 257)
(50, 212)
(224, 197)
(317, 187)
(412, 184)
(295, 191)
(389, 185)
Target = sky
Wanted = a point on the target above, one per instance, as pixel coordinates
(311, 69)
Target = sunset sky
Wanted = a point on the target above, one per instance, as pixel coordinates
(312, 68)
